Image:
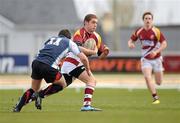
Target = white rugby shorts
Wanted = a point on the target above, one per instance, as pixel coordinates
(67, 67)
(155, 64)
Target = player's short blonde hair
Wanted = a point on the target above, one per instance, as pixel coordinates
(146, 13)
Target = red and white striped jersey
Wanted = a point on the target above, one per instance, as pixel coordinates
(150, 40)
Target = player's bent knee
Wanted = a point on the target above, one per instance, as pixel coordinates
(61, 82)
(92, 83)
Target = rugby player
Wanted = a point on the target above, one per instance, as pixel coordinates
(153, 43)
(46, 66)
(87, 32)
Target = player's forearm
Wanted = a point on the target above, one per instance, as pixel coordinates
(104, 53)
(84, 60)
(88, 52)
(102, 56)
(86, 63)
(162, 47)
(131, 44)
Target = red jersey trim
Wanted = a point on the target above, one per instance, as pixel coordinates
(72, 60)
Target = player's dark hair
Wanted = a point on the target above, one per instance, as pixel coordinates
(88, 17)
(147, 13)
(65, 32)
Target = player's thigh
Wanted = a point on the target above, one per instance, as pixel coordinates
(146, 68)
(52, 75)
(84, 77)
(61, 81)
(56, 77)
(158, 65)
(147, 72)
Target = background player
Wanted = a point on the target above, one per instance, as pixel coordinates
(153, 42)
(46, 66)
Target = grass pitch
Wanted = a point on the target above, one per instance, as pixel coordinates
(119, 106)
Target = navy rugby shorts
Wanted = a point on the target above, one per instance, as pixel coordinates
(44, 71)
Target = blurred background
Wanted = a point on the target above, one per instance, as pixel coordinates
(26, 24)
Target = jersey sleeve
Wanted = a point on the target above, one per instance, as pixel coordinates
(162, 38)
(77, 38)
(134, 36)
(74, 48)
(99, 43)
(101, 49)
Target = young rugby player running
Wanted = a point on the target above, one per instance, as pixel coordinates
(153, 42)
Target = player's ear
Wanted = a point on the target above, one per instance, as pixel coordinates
(85, 23)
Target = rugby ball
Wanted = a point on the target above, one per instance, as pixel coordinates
(90, 44)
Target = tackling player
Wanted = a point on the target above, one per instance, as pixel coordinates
(46, 66)
(153, 42)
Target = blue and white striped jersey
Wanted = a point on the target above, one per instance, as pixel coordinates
(55, 49)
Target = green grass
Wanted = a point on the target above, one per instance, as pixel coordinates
(119, 106)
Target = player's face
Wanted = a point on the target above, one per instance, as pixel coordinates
(148, 20)
(91, 25)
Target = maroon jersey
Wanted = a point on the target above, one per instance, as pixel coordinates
(82, 35)
(150, 40)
